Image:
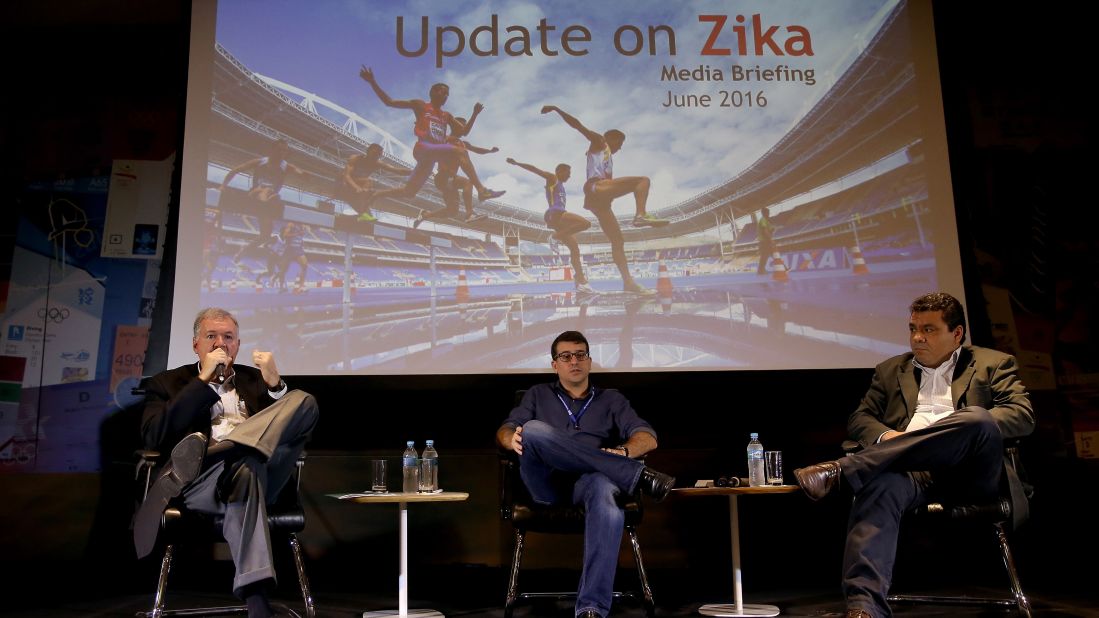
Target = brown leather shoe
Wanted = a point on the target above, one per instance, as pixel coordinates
(818, 480)
(859, 613)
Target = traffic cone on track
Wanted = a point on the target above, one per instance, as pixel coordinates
(462, 291)
(858, 264)
(779, 273)
(663, 282)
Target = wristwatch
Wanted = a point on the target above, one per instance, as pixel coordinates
(624, 449)
(278, 387)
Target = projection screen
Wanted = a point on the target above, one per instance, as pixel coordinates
(649, 137)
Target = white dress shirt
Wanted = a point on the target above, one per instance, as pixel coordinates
(935, 401)
(231, 410)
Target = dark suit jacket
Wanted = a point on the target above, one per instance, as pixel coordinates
(177, 403)
(982, 377)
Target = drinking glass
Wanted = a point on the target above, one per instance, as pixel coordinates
(772, 461)
(378, 484)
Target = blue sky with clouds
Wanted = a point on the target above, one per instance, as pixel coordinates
(319, 46)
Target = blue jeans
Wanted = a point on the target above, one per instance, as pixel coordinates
(602, 476)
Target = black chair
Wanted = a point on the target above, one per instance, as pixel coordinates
(526, 516)
(285, 518)
(998, 517)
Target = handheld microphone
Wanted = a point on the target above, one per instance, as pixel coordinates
(219, 371)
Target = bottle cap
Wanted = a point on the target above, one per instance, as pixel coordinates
(410, 443)
(431, 443)
(754, 436)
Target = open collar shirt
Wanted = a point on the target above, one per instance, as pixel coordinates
(934, 402)
(230, 409)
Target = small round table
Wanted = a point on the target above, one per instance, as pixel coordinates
(738, 607)
(402, 500)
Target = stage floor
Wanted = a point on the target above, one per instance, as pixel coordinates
(670, 603)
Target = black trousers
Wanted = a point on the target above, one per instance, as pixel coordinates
(961, 455)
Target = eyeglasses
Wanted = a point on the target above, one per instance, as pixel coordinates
(566, 357)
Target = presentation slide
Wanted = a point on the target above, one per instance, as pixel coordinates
(442, 188)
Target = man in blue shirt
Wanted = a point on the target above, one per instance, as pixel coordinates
(578, 442)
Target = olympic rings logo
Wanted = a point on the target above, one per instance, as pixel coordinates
(55, 314)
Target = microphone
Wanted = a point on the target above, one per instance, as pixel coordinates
(219, 371)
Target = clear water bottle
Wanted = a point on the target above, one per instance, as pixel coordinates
(756, 475)
(410, 469)
(429, 468)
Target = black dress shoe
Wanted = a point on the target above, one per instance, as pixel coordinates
(588, 613)
(182, 468)
(655, 484)
(818, 480)
(859, 613)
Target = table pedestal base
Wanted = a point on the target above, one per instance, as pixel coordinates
(402, 500)
(412, 613)
(729, 609)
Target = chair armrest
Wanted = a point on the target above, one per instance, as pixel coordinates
(147, 455)
(509, 475)
(300, 464)
(146, 461)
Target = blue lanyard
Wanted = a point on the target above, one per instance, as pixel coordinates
(575, 418)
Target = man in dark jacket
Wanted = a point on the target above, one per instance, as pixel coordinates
(235, 434)
(932, 424)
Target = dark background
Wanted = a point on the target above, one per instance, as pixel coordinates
(92, 81)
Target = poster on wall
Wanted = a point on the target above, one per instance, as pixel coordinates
(136, 207)
(66, 302)
(444, 187)
(53, 319)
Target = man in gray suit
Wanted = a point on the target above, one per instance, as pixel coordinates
(932, 424)
(256, 429)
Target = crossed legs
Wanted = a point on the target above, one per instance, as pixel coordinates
(242, 479)
(963, 453)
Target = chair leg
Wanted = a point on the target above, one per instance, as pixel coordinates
(513, 578)
(161, 584)
(1018, 599)
(1009, 564)
(159, 611)
(303, 580)
(646, 591)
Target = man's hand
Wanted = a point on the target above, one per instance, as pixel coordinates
(516, 443)
(367, 74)
(615, 451)
(511, 161)
(548, 108)
(265, 362)
(209, 363)
(478, 108)
(889, 435)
